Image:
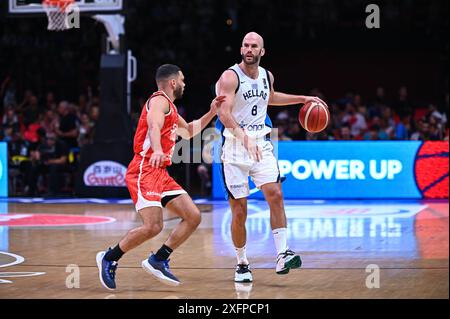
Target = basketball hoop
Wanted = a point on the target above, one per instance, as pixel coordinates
(57, 13)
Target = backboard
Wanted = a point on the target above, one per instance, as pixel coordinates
(85, 6)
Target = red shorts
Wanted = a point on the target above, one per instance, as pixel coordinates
(149, 185)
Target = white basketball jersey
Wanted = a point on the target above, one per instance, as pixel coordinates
(251, 101)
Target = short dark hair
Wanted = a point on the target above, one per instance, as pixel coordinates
(166, 71)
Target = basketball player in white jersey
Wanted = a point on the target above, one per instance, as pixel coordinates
(248, 151)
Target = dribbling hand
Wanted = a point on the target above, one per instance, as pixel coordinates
(315, 99)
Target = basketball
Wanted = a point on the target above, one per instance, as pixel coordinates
(314, 117)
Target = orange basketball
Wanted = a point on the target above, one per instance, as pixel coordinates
(314, 117)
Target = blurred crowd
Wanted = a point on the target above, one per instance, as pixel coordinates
(45, 133)
(44, 136)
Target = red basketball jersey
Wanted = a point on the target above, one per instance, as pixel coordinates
(142, 143)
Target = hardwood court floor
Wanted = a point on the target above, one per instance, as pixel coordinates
(408, 241)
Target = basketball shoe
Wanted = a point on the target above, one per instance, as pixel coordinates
(106, 271)
(160, 269)
(287, 260)
(243, 273)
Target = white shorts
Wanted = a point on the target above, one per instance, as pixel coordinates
(237, 166)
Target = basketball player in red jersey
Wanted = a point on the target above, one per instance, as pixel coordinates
(150, 185)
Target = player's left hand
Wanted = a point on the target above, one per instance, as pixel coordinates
(215, 104)
(315, 99)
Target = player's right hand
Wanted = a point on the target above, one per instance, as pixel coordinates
(315, 99)
(252, 148)
(157, 159)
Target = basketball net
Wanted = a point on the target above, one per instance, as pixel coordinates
(57, 13)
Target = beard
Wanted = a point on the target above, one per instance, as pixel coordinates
(178, 92)
(253, 61)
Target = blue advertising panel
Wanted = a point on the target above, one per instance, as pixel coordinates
(344, 169)
(3, 169)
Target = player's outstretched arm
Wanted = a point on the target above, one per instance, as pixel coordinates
(189, 130)
(155, 120)
(282, 99)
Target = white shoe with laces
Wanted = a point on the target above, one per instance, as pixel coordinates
(243, 273)
(287, 260)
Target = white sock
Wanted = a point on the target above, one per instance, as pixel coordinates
(241, 256)
(280, 237)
